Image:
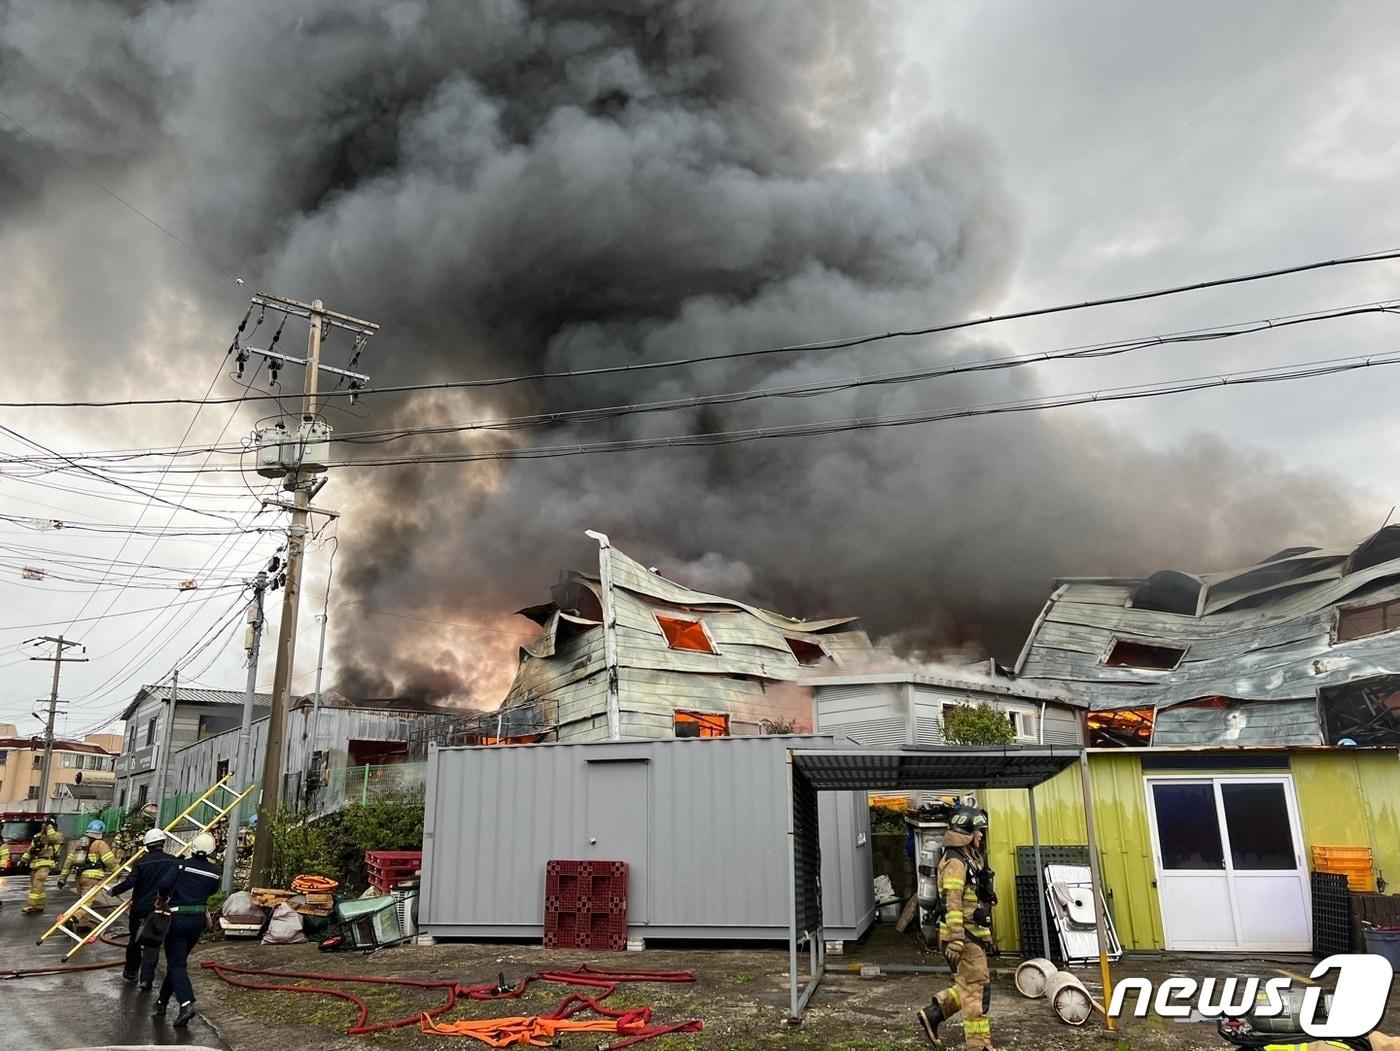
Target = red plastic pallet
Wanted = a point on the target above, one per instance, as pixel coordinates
(387, 867)
(585, 905)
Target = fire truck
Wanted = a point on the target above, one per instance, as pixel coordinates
(18, 828)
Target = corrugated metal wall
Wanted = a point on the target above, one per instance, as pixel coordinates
(711, 861)
(1120, 814)
(1351, 799)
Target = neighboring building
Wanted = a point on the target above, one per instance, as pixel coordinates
(685, 663)
(906, 708)
(81, 772)
(199, 714)
(349, 747)
(1302, 648)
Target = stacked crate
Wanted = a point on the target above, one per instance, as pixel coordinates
(1354, 863)
(585, 905)
(388, 867)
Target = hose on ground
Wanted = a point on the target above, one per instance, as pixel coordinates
(10, 974)
(633, 1024)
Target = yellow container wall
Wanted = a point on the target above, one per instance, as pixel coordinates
(1120, 815)
(1351, 799)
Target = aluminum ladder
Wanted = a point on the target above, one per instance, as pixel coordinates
(201, 823)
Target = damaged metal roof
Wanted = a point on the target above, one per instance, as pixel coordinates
(1265, 633)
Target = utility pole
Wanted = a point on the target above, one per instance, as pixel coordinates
(60, 646)
(167, 737)
(242, 771)
(308, 747)
(300, 480)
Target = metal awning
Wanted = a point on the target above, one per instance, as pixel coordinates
(923, 769)
(896, 769)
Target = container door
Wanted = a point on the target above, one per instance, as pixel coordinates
(617, 824)
(1193, 885)
(1264, 856)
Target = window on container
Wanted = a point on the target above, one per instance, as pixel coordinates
(807, 652)
(1022, 725)
(1360, 621)
(1149, 657)
(684, 634)
(701, 724)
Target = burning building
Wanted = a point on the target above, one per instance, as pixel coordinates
(1300, 649)
(627, 653)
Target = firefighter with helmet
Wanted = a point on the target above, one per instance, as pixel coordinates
(184, 889)
(43, 854)
(964, 931)
(93, 859)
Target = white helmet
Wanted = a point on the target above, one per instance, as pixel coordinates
(202, 844)
(152, 837)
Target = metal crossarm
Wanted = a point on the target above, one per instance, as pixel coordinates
(216, 811)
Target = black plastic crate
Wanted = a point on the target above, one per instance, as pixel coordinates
(1331, 914)
(1028, 920)
(1051, 854)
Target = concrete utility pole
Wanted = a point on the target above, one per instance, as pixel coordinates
(300, 480)
(167, 737)
(60, 645)
(242, 770)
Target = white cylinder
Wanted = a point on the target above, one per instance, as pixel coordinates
(1068, 998)
(1032, 977)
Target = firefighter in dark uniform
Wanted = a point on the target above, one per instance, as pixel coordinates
(143, 880)
(964, 932)
(185, 889)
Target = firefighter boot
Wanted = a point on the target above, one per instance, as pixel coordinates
(930, 1018)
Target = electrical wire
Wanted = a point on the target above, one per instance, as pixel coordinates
(792, 348)
(814, 389)
(196, 252)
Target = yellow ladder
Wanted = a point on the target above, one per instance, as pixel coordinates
(182, 840)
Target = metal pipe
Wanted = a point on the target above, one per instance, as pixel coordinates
(1039, 878)
(794, 1007)
(605, 585)
(1096, 883)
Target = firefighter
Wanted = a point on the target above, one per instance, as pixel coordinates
(43, 854)
(964, 932)
(93, 859)
(143, 880)
(128, 839)
(185, 888)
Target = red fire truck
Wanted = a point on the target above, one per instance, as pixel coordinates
(18, 828)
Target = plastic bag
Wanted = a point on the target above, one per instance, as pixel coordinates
(238, 907)
(284, 927)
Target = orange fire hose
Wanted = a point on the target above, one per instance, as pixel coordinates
(633, 1025)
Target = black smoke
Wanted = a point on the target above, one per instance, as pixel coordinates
(510, 186)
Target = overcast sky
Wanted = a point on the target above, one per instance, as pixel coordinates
(1141, 146)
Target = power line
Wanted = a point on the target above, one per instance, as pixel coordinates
(1092, 351)
(792, 348)
(1305, 370)
(197, 253)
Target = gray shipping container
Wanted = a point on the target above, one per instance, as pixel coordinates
(703, 825)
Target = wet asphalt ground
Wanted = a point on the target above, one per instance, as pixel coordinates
(83, 1009)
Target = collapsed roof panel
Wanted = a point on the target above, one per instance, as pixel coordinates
(1279, 631)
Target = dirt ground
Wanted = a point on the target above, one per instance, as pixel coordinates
(740, 994)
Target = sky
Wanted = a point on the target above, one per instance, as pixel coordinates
(1129, 147)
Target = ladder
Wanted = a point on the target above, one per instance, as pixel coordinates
(201, 823)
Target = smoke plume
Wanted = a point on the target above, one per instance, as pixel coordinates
(510, 186)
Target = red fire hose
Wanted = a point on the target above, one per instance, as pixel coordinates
(70, 968)
(634, 1025)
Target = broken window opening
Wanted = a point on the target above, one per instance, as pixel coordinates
(1365, 712)
(807, 653)
(1123, 728)
(683, 634)
(1381, 546)
(1143, 656)
(701, 724)
(1359, 622)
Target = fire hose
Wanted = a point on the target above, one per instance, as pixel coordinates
(71, 968)
(633, 1025)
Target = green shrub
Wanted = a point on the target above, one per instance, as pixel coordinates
(976, 724)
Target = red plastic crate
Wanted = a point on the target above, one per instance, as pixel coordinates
(387, 867)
